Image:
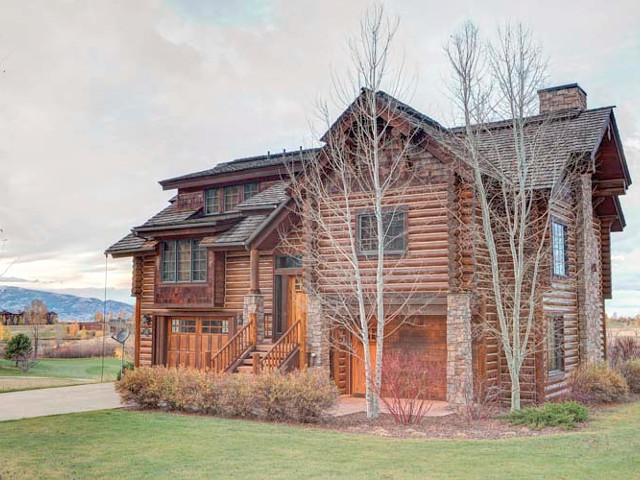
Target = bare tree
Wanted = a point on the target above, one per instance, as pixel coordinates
(350, 202)
(512, 160)
(36, 315)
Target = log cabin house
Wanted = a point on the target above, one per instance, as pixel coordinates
(215, 289)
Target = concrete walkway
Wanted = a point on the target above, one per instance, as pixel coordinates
(347, 405)
(56, 401)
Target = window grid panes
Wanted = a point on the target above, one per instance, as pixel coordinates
(183, 326)
(559, 241)
(211, 201)
(184, 261)
(555, 348)
(249, 190)
(215, 326)
(230, 198)
(393, 224)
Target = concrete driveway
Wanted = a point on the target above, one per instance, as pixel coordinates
(55, 401)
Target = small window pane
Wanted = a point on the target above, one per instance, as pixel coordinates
(198, 262)
(230, 198)
(211, 201)
(555, 340)
(183, 326)
(215, 326)
(249, 190)
(169, 262)
(184, 260)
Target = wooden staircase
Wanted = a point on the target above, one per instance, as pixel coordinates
(250, 362)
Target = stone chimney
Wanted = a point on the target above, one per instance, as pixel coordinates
(563, 97)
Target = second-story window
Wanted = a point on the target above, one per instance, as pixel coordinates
(393, 224)
(211, 201)
(249, 190)
(184, 261)
(230, 198)
(559, 248)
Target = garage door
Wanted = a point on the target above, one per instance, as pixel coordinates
(424, 336)
(193, 341)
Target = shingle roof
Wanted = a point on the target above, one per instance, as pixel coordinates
(172, 217)
(241, 231)
(130, 244)
(550, 141)
(271, 197)
(248, 163)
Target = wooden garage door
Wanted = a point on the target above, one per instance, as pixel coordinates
(424, 336)
(192, 341)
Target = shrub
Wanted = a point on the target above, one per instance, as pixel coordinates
(299, 396)
(630, 370)
(598, 383)
(83, 349)
(407, 382)
(622, 349)
(18, 347)
(481, 402)
(565, 415)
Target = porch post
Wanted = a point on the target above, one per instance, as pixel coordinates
(253, 301)
(459, 350)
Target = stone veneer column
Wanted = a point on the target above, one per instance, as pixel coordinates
(459, 352)
(254, 303)
(317, 336)
(589, 288)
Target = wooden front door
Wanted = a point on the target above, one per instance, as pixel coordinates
(290, 303)
(193, 341)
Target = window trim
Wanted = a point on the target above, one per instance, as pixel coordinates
(176, 261)
(565, 246)
(559, 337)
(388, 252)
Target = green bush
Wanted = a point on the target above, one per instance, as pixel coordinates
(565, 415)
(598, 383)
(299, 396)
(630, 370)
(18, 348)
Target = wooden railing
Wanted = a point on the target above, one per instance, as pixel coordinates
(236, 347)
(285, 346)
(268, 326)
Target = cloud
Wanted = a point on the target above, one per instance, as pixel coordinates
(101, 99)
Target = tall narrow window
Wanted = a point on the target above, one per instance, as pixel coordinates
(211, 201)
(249, 190)
(230, 198)
(559, 241)
(393, 224)
(169, 262)
(555, 347)
(184, 260)
(198, 262)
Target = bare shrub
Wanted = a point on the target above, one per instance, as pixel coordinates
(407, 382)
(630, 370)
(598, 383)
(622, 349)
(481, 403)
(83, 349)
(299, 396)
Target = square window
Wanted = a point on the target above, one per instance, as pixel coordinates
(249, 190)
(393, 224)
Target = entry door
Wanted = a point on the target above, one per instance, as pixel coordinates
(290, 303)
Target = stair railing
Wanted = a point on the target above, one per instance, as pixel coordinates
(285, 346)
(236, 347)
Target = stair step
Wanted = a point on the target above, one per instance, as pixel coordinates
(245, 369)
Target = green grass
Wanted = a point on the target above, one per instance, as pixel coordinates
(133, 445)
(85, 368)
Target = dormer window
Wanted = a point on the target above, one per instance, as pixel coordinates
(230, 198)
(249, 190)
(211, 201)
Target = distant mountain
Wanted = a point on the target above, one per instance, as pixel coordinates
(68, 307)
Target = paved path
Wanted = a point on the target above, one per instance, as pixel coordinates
(347, 405)
(55, 401)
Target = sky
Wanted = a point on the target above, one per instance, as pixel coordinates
(100, 100)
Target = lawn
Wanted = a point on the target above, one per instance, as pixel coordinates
(63, 371)
(122, 444)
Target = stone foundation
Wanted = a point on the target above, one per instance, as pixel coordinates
(459, 351)
(317, 336)
(254, 303)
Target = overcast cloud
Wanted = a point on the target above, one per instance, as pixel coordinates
(99, 100)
